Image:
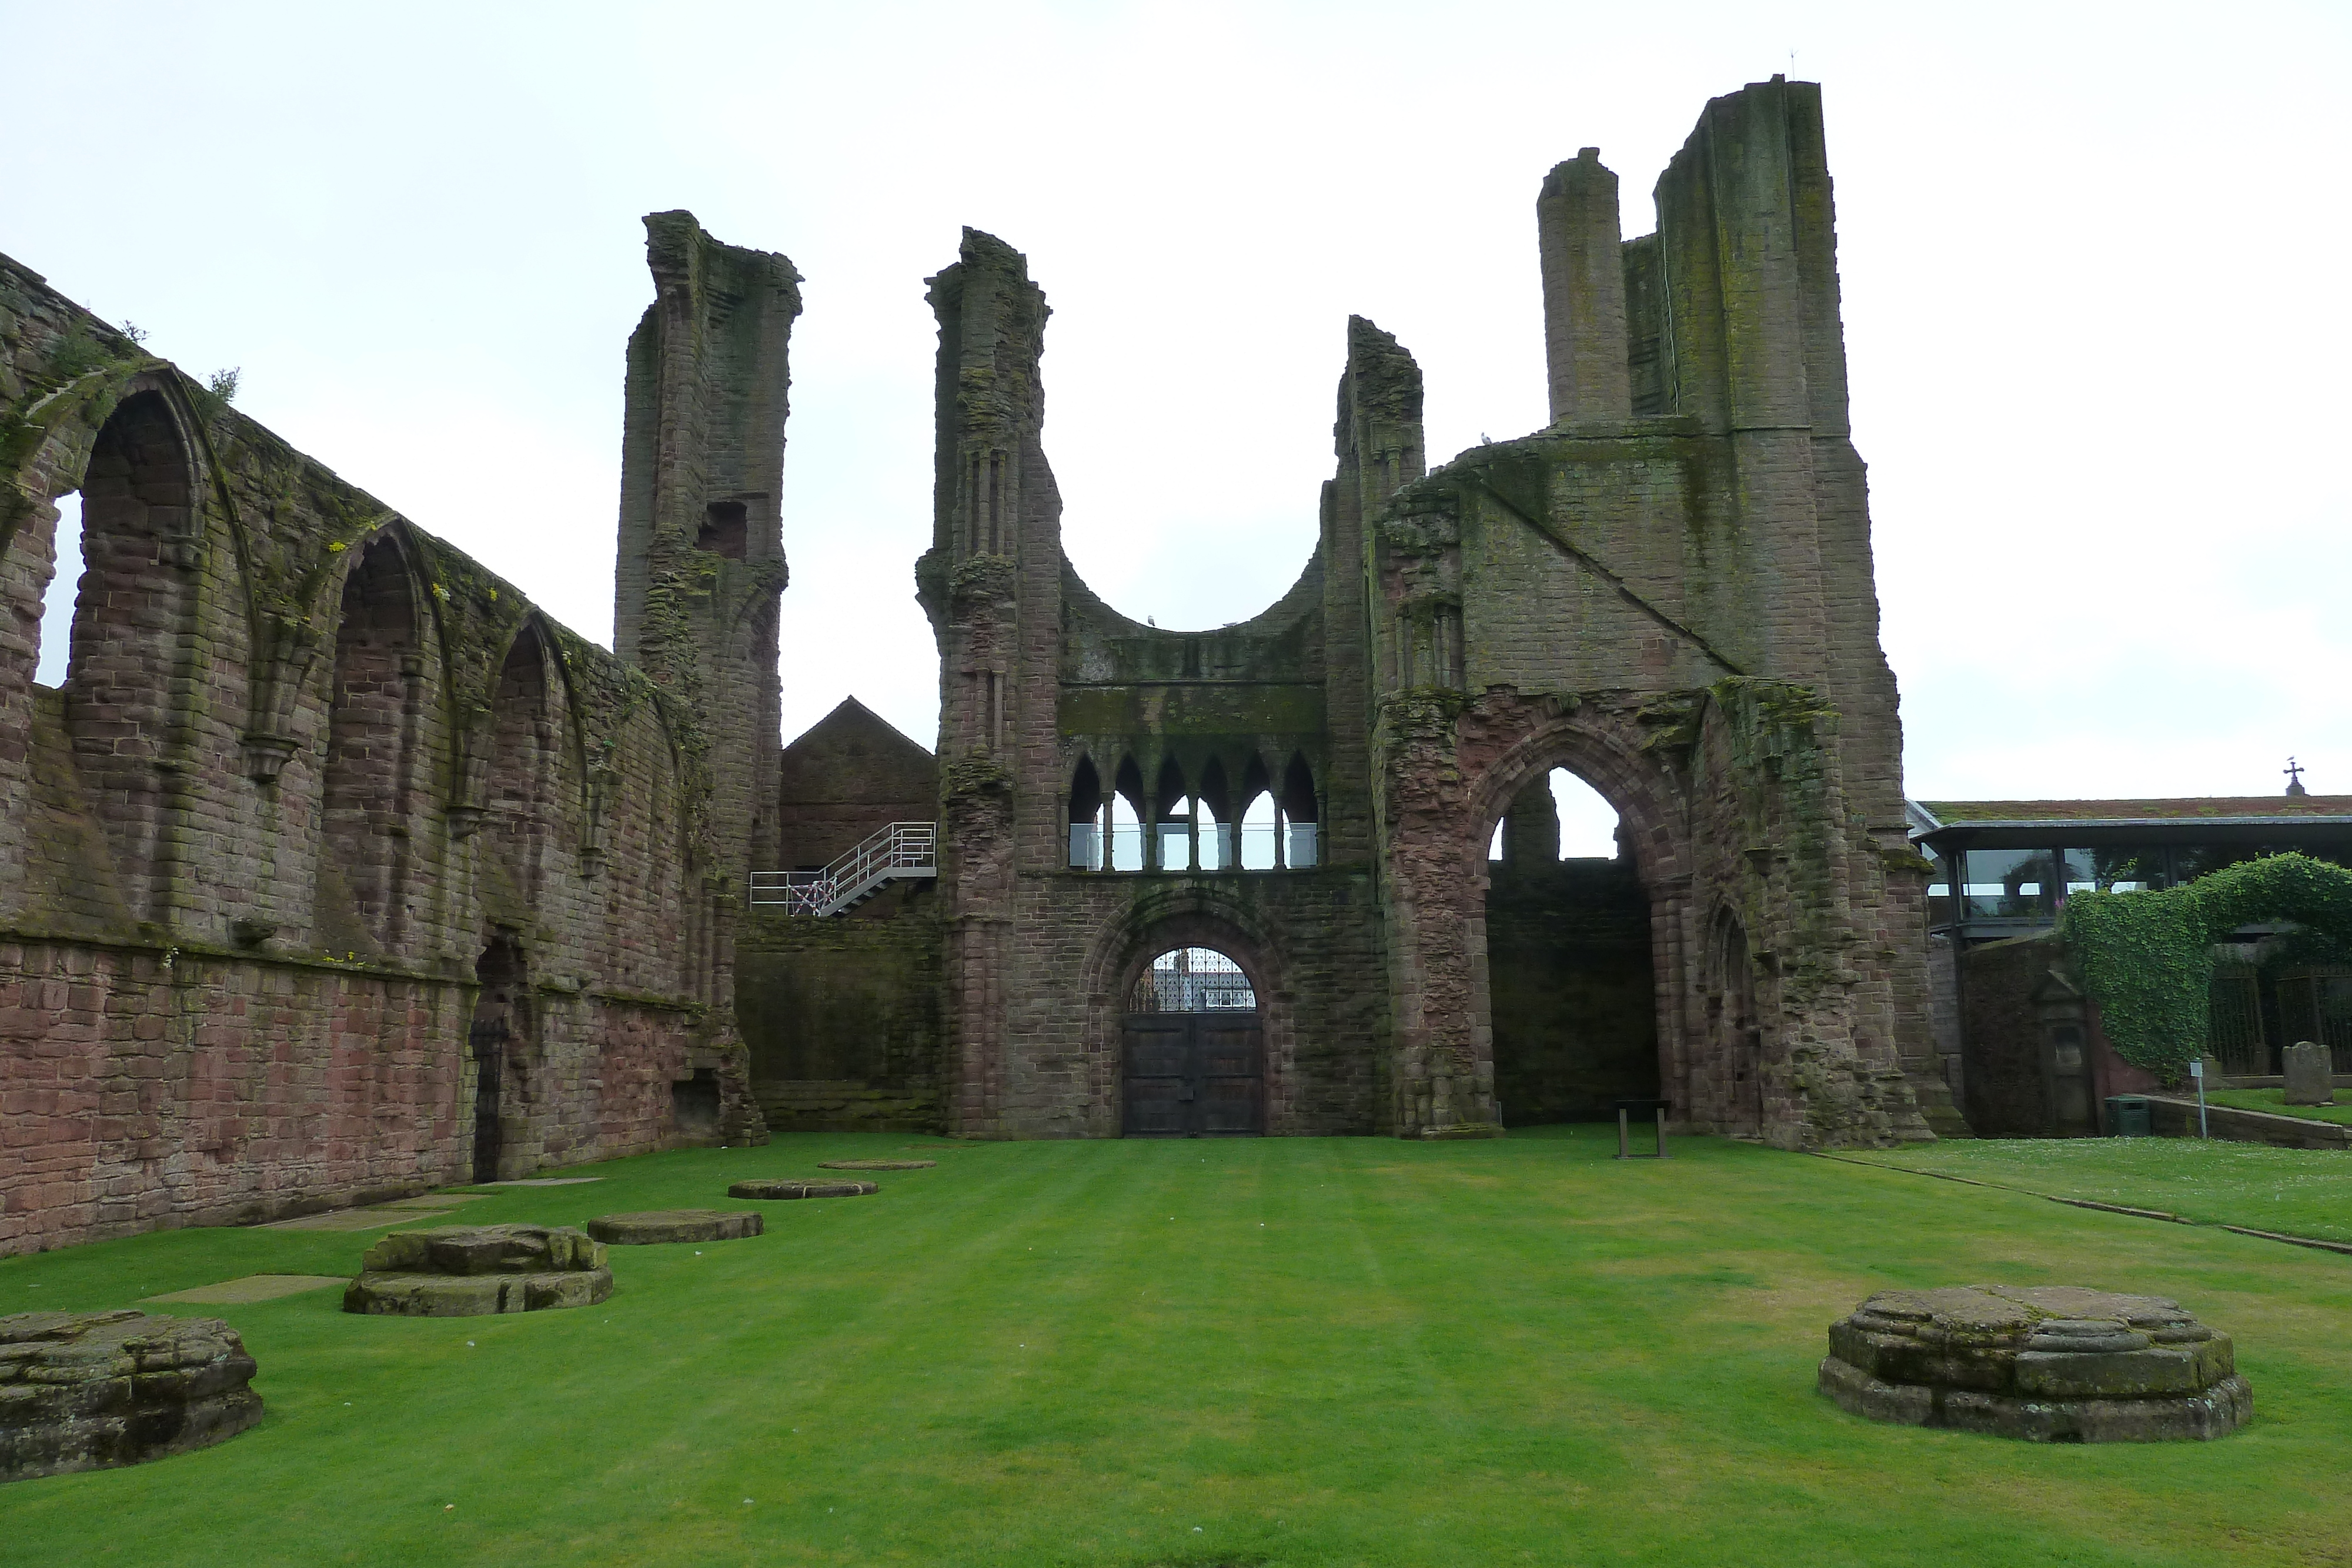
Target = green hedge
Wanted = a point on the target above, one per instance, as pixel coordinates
(2147, 958)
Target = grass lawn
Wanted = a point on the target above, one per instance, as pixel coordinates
(2300, 1192)
(1266, 1352)
(2274, 1102)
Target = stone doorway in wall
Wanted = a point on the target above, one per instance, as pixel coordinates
(495, 1030)
(1192, 1051)
(1732, 1002)
(1570, 966)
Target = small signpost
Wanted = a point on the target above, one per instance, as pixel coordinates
(2197, 1072)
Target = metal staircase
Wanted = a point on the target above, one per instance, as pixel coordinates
(901, 850)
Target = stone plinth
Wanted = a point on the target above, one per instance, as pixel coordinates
(780, 1190)
(663, 1225)
(2047, 1362)
(464, 1271)
(86, 1391)
(2310, 1074)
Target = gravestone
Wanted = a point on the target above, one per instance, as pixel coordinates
(2310, 1079)
(781, 1190)
(87, 1391)
(663, 1225)
(2046, 1363)
(463, 1271)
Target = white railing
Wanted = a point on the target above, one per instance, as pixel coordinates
(899, 851)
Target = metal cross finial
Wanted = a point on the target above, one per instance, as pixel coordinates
(2294, 771)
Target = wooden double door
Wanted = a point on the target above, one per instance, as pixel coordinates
(1193, 1075)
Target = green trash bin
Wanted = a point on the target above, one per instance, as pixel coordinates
(2127, 1116)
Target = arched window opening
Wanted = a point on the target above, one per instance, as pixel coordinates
(1126, 818)
(726, 530)
(522, 763)
(1192, 980)
(1085, 818)
(1173, 835)
(371, 734)
(1257, 832)
(1557, 816)
(57, 601)
(131, 619)
(1300, 814)
(1213, 819)
(1588, 825)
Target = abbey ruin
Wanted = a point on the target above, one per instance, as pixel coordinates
(335, 869)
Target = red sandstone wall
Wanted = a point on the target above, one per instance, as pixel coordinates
(212, 1090)
(311, 763)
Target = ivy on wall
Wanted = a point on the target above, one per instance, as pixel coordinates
(2147, 958)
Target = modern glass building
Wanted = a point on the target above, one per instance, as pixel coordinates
(2004, 868)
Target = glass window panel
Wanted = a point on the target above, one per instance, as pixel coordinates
(2193, 860)
(2011, 884)
(2132, 869)
(1940, 908)
(1302, 844)
(1086, 846)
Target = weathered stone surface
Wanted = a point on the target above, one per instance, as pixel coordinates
(781, 1190)
(877, 1164)
(85, 1390)
(2310, 1074)
(485, 1250)
(663, 1225)
(1667, 590)
(2051, 1363)
(473, 1295)
(307, 755)
(461, 1271)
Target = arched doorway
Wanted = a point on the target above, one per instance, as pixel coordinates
(497, 1026)
(1570, 973)
(1192, 1048)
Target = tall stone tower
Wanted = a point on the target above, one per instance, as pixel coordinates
(991, 585)
(703, 555)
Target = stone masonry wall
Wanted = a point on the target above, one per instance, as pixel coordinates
(842, 1019)
(307, 765)
(1667, 590)
(1573, 1001)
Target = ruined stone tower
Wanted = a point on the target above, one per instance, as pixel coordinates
(1666, 591)
(701, 569)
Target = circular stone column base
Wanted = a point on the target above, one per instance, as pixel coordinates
(92, 1391)
(663, 1225)
(781, 1190)
(2050, 1363)
(474, 1295)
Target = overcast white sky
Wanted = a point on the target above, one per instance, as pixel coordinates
(2094, 258)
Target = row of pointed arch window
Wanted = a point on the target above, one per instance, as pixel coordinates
(1181, 824)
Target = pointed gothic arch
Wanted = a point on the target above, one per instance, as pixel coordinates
(376, 709)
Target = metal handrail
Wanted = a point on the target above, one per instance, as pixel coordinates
(899, 848)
